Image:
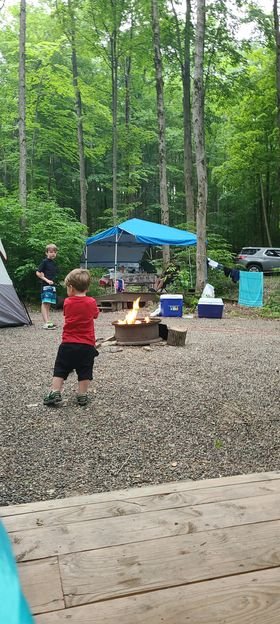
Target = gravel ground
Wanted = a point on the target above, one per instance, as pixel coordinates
(207, 410)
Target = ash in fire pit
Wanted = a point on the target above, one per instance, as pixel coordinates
(133, 331)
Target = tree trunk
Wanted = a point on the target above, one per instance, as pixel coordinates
(277, 43)
(79, 113)
(22, 107)
(161, 125)
(186, 77)
(198, 123)
(127, 89)
(50, 172)
(264, 211)
(176, 337)
(184, 58)
(114, 67)
(34, 137)
(127, 82)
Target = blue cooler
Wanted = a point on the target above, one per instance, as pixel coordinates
(209, 307)
(171, 305)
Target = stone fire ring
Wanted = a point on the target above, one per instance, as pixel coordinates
(137, 334)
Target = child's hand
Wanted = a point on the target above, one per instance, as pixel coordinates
(50, 282)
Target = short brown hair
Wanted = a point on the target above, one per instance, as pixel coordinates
(51, 247)
(78, 278)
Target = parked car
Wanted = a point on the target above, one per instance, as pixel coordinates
(259, 258)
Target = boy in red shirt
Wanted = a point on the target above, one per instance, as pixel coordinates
(77, 350)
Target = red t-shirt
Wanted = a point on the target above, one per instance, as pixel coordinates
(79, 313)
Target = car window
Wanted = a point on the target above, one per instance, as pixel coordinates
(272, 252)
(249, 251)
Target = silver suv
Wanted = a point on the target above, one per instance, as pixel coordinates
(259, 258)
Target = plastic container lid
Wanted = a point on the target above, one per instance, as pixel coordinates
(171, 297)
(210, 301)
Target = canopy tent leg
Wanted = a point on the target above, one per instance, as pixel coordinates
(116, 258)
(116, 262)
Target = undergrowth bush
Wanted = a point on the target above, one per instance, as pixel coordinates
(46, 222)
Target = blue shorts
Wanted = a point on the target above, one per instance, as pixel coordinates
(48, 294)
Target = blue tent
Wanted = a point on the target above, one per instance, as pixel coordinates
(13, 606)
(127, 242)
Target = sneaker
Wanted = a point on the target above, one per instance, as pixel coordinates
(82, 399)
(49, 326)
(53, 398)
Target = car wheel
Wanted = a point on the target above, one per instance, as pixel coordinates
(256, 268)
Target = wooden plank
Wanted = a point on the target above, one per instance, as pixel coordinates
(207, 495)
(79, 513)
(93, 534)
(247, 599)
(150, 490)
(42, 585)
(69, 515)
(135, 568)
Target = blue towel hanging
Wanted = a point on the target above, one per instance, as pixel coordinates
(251, 289)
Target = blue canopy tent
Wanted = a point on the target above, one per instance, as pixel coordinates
(127, 242)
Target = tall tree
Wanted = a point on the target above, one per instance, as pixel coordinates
(22, 108)
(199, 135)
(277, 41)
(127, 82)
(277, 44)
(69, 20)
(184, 49)
(114, 74)
(107, 19)
(161, 124)
(79, 113)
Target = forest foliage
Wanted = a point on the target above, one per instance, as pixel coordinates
(242, 136)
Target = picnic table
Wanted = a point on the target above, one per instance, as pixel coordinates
(121, 301)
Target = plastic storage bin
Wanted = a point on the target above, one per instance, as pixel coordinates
(210, 308)
(171, 305)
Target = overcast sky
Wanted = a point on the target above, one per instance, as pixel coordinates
(267, 5)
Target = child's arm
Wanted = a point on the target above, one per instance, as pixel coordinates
(41, 276)
(95, 311)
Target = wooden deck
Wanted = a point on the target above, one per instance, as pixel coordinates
(205, 552)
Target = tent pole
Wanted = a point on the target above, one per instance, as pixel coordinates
(86, 257)
(116, 260)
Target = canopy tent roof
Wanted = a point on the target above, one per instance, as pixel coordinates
(132, 238)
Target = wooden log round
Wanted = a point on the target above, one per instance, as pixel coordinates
(176, 337)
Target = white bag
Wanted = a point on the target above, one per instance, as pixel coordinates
(156, 312)
(208, 291)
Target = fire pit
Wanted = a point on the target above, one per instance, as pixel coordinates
(133, 331)
(140, 333)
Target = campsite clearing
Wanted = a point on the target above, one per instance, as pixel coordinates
(163, 414)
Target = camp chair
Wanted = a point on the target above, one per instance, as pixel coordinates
(168, 278)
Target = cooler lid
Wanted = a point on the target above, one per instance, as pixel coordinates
(210, 301)
(171, 297)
